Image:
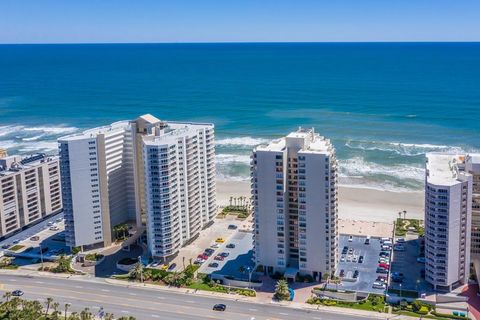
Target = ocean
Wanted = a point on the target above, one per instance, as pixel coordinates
(383, 105)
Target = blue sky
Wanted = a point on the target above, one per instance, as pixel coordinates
(59, 21)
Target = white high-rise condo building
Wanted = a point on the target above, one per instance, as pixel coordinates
(448, 218)
(107, 180)
(179, 185)
(294, 189)
(30, 190)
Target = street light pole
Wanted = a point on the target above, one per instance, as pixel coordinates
(41, 254)
(400, 290)
(141, 270)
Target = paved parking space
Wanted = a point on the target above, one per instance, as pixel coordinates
(207, 237)
(238, 260)
(406, 262)
(367, 269)
(31, 231)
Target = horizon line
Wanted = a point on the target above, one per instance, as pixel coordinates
(238, 42)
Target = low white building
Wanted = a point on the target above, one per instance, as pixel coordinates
(294, 189)
(30, 190)
(448, 217)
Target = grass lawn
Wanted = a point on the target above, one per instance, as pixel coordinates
(206, 287)
(416, 315)
(16, 247)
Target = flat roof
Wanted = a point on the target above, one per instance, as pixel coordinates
(443, 168)
(314, 143)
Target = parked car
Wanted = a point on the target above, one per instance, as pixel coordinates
(202, 256)
(213, 265)
(360, 259)
(220, 240)
(5, 246)
(54, 228)
(230, 246)
(385, 247)
(379, 285)
(215, 246)
(198, 261)
(172, 266)
(219, 258)
(16, 241)
(224, 254)
(155, 264)
(355, 274)
(382, 240)
(350, 238)
(17, 293)
(342, 258)
(383, 265)
(400, 240)
(209, 250)
(384, 254)
(50, 223)
(382, 279)
(345, 250)
(398, 247)
(354, 259)
(342, 273)
(421, 259)
(367, 240)
(219, 307)
(381, 270)
(34, 238)
(59, 219)
(232, 227)
(349, 258)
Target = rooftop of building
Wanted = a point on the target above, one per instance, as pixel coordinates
(444, 168)
(310, 142)
(12, 164)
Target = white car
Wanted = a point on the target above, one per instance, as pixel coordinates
(215, 246)
(379, 285)
(342, 258)
(349, 258)
(350, 239)
(355, 259)
(50, 223)
(54, 228)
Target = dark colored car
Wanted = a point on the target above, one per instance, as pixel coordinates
(230, 246)
(213, 265)
(224, 254)
(172, 266)
(232, 227)
(360, 259)
(209, 251)
(355, 274)
(17, 293)
(382, 270)
(342, 273)
(345, 250)
(219, 307)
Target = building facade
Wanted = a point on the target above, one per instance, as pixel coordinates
(108, 180)
(30, 190)
(294, 189)
(472, 166)
(448, 218)
(179, 185)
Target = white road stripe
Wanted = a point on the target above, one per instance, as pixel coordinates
(283, 313)
(132, 294)
(155, 316)
(105, 290)
(12, 280)
(252, 309)
(190, 301)
(125, 311)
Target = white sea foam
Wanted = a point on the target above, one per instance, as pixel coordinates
(225, 159)
(359, 168)
(52, 130)
(7, 130)
(404, 149)
(241, 141)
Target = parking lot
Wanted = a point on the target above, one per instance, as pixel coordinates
(207, 237)
(238, 261)
(366, 270)
(49, 237)
(406, 262)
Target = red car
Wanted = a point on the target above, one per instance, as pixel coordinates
(219, 258)
(202, 256)
(383, 265)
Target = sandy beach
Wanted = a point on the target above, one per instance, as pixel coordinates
(360, 204)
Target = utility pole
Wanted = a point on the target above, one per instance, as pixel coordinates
(141, 270)
(41, 254)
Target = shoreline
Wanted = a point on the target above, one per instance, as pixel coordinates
(354, 203)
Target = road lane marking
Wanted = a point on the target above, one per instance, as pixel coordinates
(39, 282)
(283, 313)
(155, 316)
(125, 311)
(132, 294)
(252, 309)
(12, 280)
(105, 290)
(79, 287)
(190, 301)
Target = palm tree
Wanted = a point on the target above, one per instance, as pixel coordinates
(7, 296)
(281, 290)
(49, 302)
(400, 214)
(85, 314)
(404, 214)
(231, 199)
(67, 305)
(109, 316)
(136, 271)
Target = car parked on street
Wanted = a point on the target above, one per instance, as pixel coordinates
(17, 293)
(230, 246)
(219, 307)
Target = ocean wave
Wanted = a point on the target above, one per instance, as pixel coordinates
(52, 130)
(241, 141)
(225, 159)
(359, 168)
(404, 149)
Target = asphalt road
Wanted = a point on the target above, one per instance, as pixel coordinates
(145, 303)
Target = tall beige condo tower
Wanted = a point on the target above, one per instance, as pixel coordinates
(448, 220)
(30, 190)
(294, 188)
